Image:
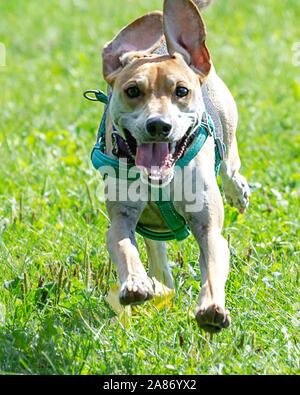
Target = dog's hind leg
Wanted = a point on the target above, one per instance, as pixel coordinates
(158, 262)
(235, 186)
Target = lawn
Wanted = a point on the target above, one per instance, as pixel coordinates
(54, 267)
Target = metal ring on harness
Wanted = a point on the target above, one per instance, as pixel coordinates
(99, 96)
(95, 92)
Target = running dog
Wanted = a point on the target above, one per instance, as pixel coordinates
(161, 82)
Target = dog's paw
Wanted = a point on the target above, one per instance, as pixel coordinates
(212, 319)
(136, 290)
(237, 192)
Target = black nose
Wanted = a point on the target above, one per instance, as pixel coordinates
(158, 127)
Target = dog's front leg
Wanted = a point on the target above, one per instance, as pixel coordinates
(136, 287)
(214, 264)
(205, 220)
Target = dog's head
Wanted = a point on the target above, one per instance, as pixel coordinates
(156, 99)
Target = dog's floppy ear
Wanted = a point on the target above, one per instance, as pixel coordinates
(145, 34)
(185, 33)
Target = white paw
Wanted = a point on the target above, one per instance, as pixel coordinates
(237, 192)
(136, 290)
(212, 319)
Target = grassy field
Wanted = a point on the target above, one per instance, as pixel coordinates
(54, 267)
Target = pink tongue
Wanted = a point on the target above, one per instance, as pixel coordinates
(152, 155)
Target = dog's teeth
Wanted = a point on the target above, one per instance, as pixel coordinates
(169, 162)
(155, 172)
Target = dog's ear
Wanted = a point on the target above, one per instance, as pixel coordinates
(143, 35)
(185, 33)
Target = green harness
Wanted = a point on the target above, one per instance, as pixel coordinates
(178, 228)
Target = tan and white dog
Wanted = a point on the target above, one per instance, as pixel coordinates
(154, 98)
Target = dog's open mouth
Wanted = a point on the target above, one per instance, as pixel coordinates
(157, 160)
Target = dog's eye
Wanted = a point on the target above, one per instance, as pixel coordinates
(181, 91)
(133, 92)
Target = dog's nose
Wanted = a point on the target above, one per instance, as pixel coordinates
(158, 127)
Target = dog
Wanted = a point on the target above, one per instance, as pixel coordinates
(156, 69)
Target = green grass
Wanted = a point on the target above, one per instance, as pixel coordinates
(51, 232)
